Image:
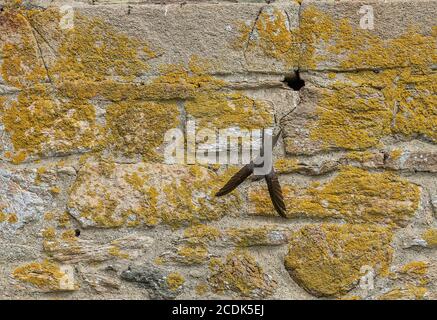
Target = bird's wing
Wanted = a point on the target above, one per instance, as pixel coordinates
(236, 180)
(276, 193)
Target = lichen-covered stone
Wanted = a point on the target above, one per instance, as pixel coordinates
(112, 195)
(240, 273)
(355, 195)
(333, 38)
(159, 283)
(262, 236)
(84, 112)
(340, 113)
(327, 260)
(89, 94)
(25, 194)
(46, 276)
(71, 249)
(430, 237)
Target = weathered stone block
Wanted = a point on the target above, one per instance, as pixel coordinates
(337, 36)
(328, 260)
(354, 195)
(111, 195)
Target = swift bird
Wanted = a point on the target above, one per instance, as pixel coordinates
(271, 178)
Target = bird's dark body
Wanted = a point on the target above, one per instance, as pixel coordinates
(271, 179)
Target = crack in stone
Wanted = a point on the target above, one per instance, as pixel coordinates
(252, 30)
(42, 57)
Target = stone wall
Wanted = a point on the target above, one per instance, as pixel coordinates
(89, 209)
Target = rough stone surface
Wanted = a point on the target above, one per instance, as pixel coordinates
(328, 260)
(89, 209)
(161, 285)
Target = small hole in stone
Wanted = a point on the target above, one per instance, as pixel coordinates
(77, 232)
(294, 81)
(386, 155)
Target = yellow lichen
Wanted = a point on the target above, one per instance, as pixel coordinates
(360, 156)
(55, 111)
(174, 195)
(55, 190)
(286, 165)
(44, 275)
(356, 117)
(49, 233)
(357, 113)
(271, 35)
(415, 268)
(430, 236)
(69, 235)
(192, 254)
(327, 260)
(201, 234)
(254, 236)
(201, 289)
(139, 127)
(360, 47)
(64, 220)
(11, 218)
(49, 216)
(175, 280)
(115, 251)
(395, 154)
(242, 274)
(2, 216)
(405, 293)
(353, 194)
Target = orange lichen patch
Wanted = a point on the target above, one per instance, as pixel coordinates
(95, 51)
(360, 156)
(42, 118)
(115, 251)
(357, 113)
(274, 38)
(21, 64)
(132, 195)
(417, 268)
(327, 260)
(49, 233)
(201, 234)
(430, 236)
(353, 194)
(175, 280)
(395, 154)
(49, 216)
(55, 111)
(193, 254)
(315, 27)
(44, 275)
(11, 218)
(207, 99)
(356, 117)
(64, 220)
(139, 127)
(55, 190)
(220, 110)
(69, 235)
(241, 274)
(201, 289)
(359, 47)
(405, 293)
(286, 165)
(257, 236)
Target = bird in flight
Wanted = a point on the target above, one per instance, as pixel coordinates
(271, 178)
